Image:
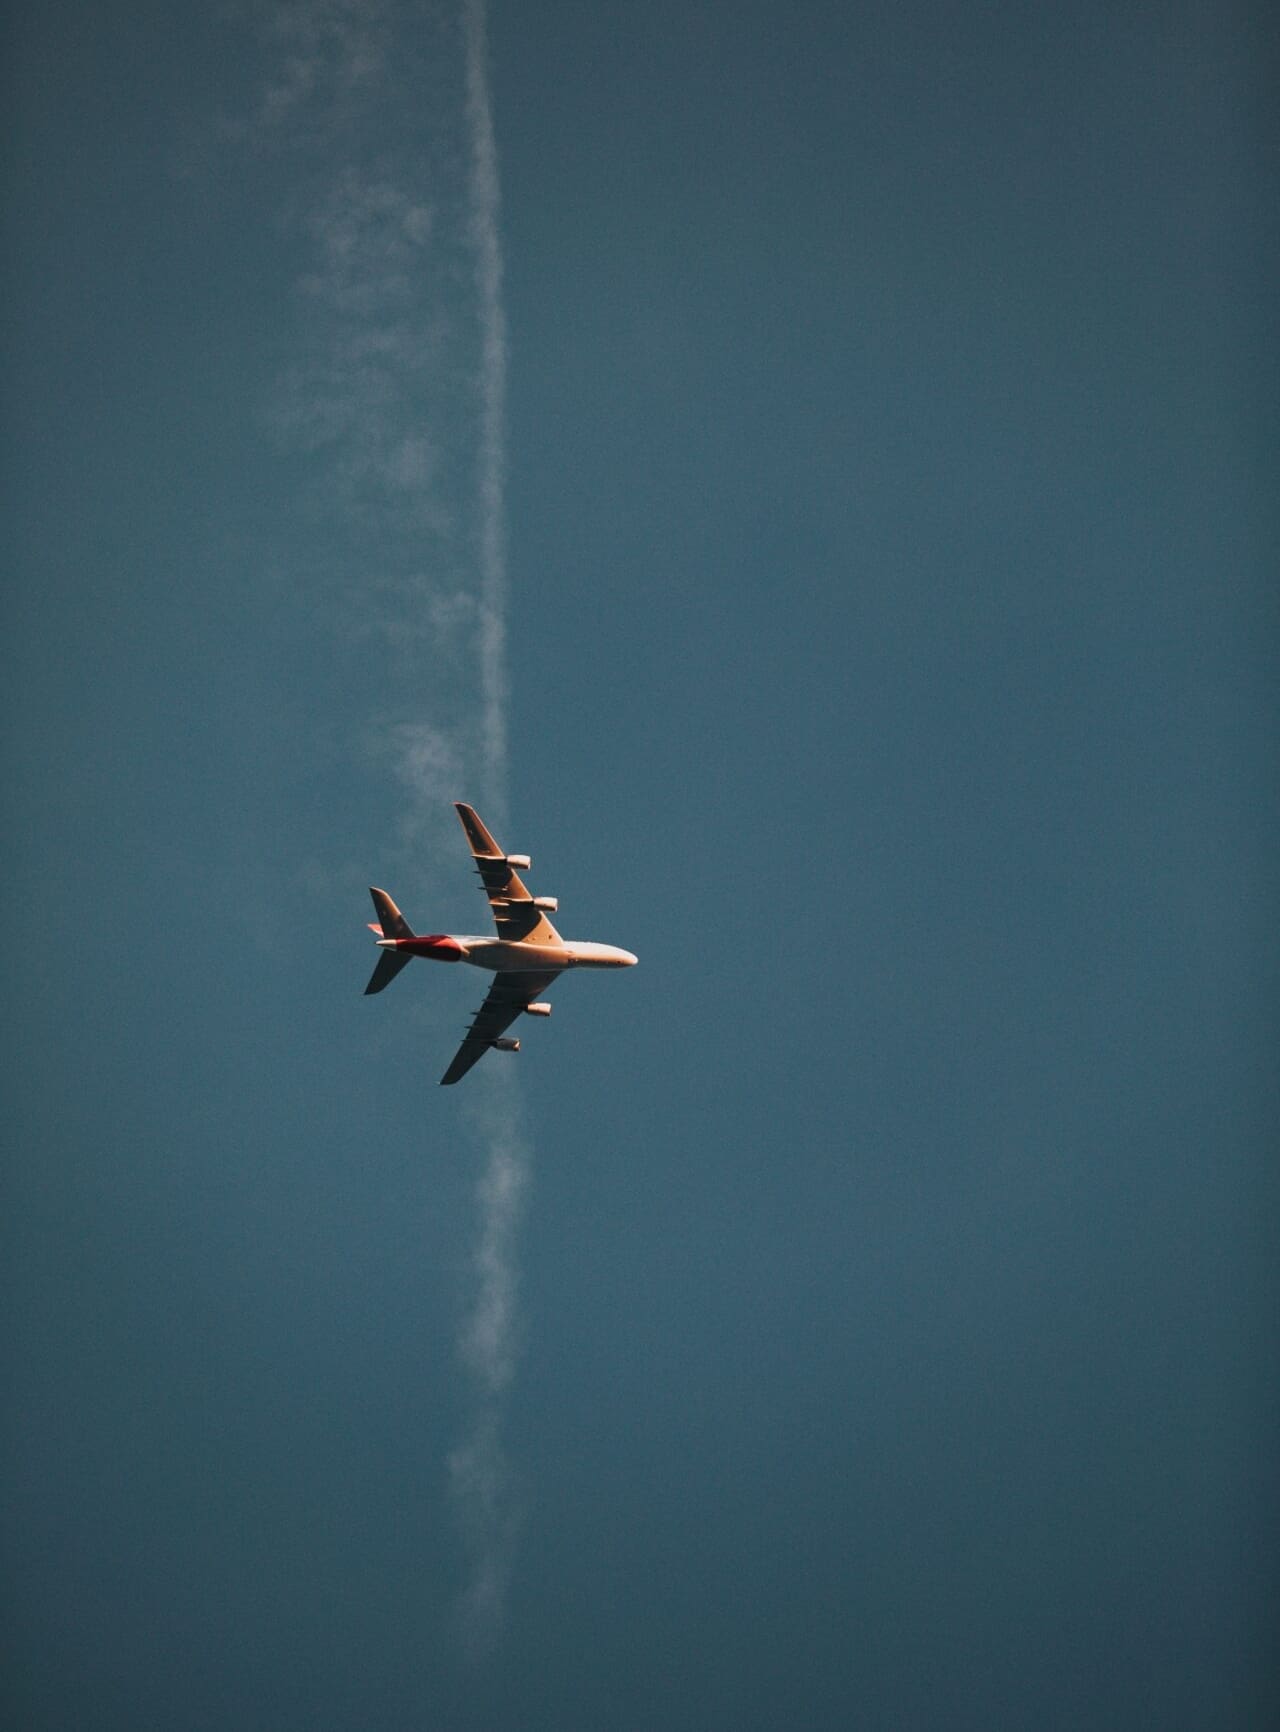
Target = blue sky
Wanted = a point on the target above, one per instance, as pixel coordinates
(887, 551)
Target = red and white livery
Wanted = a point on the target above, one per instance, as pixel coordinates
(525, 957)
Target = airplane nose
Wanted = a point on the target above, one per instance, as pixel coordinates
(629, 961)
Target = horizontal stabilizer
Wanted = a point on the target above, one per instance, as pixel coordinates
(388, 966)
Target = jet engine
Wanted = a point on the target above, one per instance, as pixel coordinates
(503, 1044)
(537, 1010)
(520, 862)
(548, 904)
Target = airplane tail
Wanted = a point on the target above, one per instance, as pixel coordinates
(392, 924)
(388, 966)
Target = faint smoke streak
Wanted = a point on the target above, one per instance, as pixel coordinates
(488, 1340)
(482, 1478)
(493, 390)
(483, 1482)
(396, 394)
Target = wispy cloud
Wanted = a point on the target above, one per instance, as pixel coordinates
(324, 58)
(397, 395)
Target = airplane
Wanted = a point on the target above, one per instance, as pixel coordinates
(524, 959)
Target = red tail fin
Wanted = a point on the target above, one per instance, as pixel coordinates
(394, 924)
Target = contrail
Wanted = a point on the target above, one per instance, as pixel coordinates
(482, 1478)
(399, 395)
(483, 1482)
(486, 240)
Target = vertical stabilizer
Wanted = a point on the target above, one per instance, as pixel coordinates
(393, 923)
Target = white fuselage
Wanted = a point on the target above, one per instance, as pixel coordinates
(506, 958)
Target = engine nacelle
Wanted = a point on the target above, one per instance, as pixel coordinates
(537, 1010)
(549, 903)
(502, 1044)
(519, 862)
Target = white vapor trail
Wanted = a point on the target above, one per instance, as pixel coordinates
(486, 240)
(483, 1482)
(397, 396)
(482, 1477)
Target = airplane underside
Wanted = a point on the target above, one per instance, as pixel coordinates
(525, 957)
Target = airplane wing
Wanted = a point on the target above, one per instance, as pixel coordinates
(506, 999)
(515, 913)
